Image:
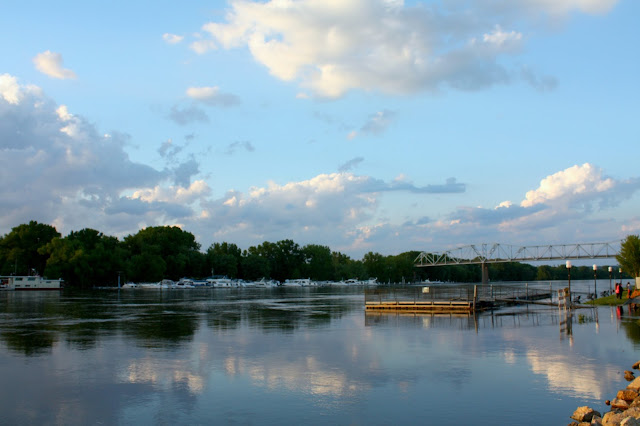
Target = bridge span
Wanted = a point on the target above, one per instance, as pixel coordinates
(500, 253)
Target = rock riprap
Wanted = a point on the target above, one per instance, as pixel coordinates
(625, 407)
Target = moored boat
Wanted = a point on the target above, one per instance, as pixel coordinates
(34, 282)
(300, 282)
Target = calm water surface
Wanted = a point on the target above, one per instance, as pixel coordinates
(306, 356)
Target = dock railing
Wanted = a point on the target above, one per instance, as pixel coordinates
(451, 297)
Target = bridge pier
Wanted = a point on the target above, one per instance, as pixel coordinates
(485, 273)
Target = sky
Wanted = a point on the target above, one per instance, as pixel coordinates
(363, 125)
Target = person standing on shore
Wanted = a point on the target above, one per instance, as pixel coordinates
(618, 290)
(628, 290)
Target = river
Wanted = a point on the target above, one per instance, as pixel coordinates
(305, 356)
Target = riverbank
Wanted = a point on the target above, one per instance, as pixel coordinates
(625, 407)
(612, 300)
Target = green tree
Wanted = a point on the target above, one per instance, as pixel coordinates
(224, 259)
(159, 252)
(86, 258)
(317, 262)
(284, 258)
(254, 266)
(544, 272)
(20, 249)
(376, 265)
(629, 257)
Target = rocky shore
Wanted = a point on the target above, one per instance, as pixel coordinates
(625, 407)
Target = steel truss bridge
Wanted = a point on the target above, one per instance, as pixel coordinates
(501, 253)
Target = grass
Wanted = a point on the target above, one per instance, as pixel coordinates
(607, 301)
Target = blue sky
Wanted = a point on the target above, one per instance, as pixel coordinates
(364, 125)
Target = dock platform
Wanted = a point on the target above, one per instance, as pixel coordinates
(450, 298)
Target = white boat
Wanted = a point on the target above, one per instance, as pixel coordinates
(264, 283)
(184, 283)
(300, 282)
(220, 282)
(34, 282)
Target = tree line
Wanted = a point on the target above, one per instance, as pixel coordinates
(89, 258)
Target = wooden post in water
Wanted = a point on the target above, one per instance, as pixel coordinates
(475, 296)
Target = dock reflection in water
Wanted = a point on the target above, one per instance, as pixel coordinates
(309, 355)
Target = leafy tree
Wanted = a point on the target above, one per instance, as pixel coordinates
(629, 257)
(317, 262)
(254, 266)
(20, 249)
(376, 265)
(544, 272)
(289, 260)
(224, 259)
(85, 258)
(160, 252)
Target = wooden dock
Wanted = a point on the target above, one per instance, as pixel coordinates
(436, 306)
(450, 298)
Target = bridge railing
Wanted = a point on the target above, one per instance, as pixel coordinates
(500, 253)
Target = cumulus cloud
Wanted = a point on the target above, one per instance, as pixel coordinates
(332, 47)
(174, 194)
(212, 96)
(50, 63)
(570, 185)
(202, 46)
(556, 211)
(328, 208)
(172, 38)
(57, 168)
(184, 171)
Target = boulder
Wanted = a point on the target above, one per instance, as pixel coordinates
(628, 375)
(636, 366)
(619, 403)
(630, 421)
(627, 395)
(584, 414)
(613, 418)
(634, 385)
(633, 412)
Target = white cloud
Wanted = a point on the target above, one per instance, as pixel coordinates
(57, 168)
(172, 38)
(50, 63)
(561, 210)
(332, 47)
(501, 38)
(202, 46)
(562, 7)
(212, 96)
(174, 194)
(568, 185)
(12, 92)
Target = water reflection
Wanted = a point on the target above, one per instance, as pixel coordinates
(36, 321)
(311, 354)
